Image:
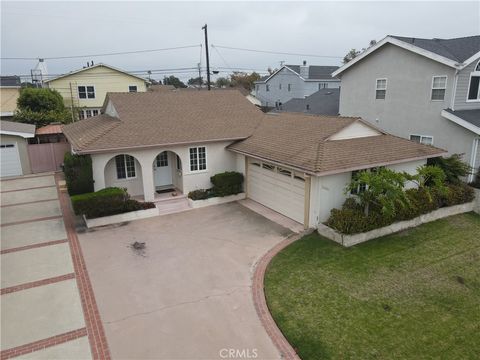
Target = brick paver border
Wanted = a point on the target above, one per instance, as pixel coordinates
(42, 344)
(33, 246)
(33, 284)
(279, 340)
(94, 326)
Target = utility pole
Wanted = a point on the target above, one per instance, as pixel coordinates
(208, 60)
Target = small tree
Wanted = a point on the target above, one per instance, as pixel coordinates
(244, 80)
(453, 167)
(196, 81)
(173, 80)
(41, 106)
(382, 187)
(222, 82)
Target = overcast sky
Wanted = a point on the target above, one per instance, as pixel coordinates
(52, 29)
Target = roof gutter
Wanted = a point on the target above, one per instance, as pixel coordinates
(459, 121)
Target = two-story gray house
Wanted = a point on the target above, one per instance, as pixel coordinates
(294, 81)
(426, 90)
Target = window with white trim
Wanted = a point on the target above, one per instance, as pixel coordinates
(474, 84)
(132, 88)
(86, 92)
(322, 85)
(86, 113)
(125, 165)
(380, 89)
(422, 139)
(198, 158)
(439, 86)
(162, 159)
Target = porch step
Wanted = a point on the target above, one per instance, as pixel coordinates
(172, 206)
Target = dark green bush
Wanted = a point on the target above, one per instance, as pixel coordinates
(78, 173)
(453, 167)
(227, 183)
(457, 194)
(200, 194)
(108, 201)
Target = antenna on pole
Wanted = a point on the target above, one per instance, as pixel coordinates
(206, 51)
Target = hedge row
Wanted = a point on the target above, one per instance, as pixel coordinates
(78, 173)
(224, 184)
(351, 219)
(108, 201)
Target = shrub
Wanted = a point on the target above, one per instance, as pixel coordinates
(453, 167)
(457, 194)
(420, 201)
(227, 183)
(108, 201)
(200, 194)
(78, 173)
(352, 219)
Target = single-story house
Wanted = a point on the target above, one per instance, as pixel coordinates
(295, 164)
(14, 160)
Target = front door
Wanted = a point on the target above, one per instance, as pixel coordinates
(162, 170)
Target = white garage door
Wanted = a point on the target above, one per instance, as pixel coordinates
(279, 189)
(9, 160)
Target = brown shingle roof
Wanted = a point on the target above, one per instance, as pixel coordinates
(301, 141)
(161, 118)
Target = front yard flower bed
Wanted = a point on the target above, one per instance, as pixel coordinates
(106, 202)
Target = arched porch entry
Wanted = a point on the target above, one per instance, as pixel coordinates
(124, 171)
(167, 172)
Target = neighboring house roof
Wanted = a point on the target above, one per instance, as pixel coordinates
(456, 52)
(315, 72)
(92, 67)
(49, 129)
(165, 118)
(17, 129)
(10, 81)
(469, 119)
(303, 142)
(158, 87)
(322, 102)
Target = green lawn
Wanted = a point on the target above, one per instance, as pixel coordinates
(412, 295)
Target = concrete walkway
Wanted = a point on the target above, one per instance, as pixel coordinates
(41, 312)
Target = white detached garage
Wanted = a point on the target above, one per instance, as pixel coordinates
(13, 148)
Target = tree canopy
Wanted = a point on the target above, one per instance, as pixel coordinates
(196, 81)
(244, 80)
(173, 80)
(353, 53)
(40, 106)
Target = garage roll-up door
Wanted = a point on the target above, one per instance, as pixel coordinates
(10, 164)
(277, 188)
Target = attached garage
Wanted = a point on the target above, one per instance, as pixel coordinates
(280, 189)
(14, 159)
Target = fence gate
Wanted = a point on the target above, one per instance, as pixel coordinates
(47, 157)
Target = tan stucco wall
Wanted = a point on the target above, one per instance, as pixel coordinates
(8, 99)
(102, 78)
(22, 150)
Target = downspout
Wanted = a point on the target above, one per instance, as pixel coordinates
(454, 91)
(473, 158)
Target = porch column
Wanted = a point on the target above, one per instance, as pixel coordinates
(147, 178)
(98, 169)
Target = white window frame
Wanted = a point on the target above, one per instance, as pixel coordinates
(197, 160)
(83, 112)
(421, 138)
(377, 89)
(475, 73)
(125, 164)
(86, 92)
(439, 88)
(161, 160)
(132, 86)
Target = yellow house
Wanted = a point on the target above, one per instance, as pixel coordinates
(85, 89)
(9, 93)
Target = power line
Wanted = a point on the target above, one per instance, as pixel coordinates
(277, 52)
(97, 55)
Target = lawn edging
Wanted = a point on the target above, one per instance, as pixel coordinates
(350, 240)
(258, 290)
(119, 218)
(215, 200)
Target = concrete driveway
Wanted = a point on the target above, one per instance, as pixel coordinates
(41, 312)
(188, 295)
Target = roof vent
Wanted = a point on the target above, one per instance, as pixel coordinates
(304, 62)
